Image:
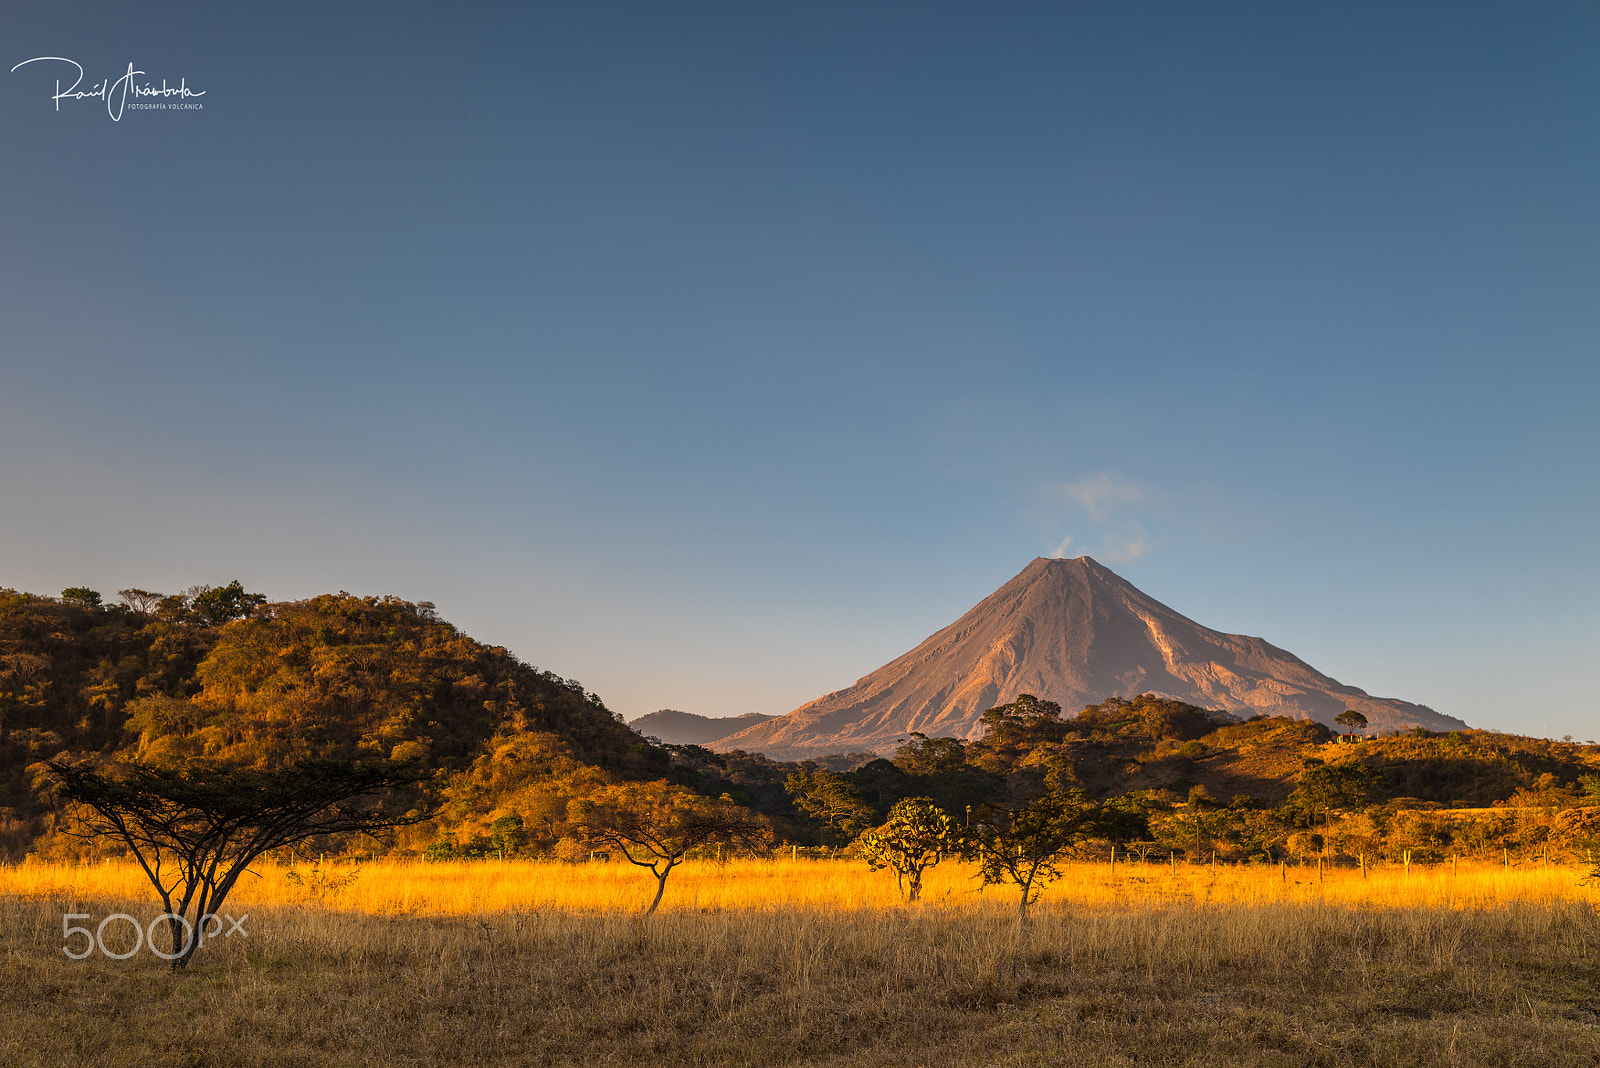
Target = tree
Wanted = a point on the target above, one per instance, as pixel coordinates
(1124, 819)
(1351, 720)
(1591, 789)
(926, 756)
(195, 830)
(1346, 785)
(141, 601)
(656, 824)
(1199, 822)
(1024, 846)
(82, 596)
(1024, 723)
(508, 835)
(1156, 718)
(829, 797)
(916, 836)
(221, 604)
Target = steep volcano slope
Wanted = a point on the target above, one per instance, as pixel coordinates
(1074, 632)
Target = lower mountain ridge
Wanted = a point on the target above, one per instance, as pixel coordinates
(1073, 632)
(685, 728)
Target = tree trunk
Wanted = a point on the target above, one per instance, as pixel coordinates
(181, 961)
(183, 952)
(661, 888)
(180, 954)
(197, 937)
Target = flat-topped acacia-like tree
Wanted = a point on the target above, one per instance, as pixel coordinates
(655, 825)
(1351, 720)
(194, 830)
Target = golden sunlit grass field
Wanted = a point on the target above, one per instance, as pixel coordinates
(801, 962)
(409, 888)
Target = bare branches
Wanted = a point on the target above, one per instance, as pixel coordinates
(655, 825)
(1025, 846)
(205, 825)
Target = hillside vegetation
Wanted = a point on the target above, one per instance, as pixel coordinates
(236, 680)
(1266, 789)
(222, 675)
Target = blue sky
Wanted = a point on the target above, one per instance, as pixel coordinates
(715, 354)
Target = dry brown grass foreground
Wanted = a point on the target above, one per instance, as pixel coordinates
(1277, 984)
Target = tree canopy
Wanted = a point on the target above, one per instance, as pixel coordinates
(656, 825)
(1025, 845)
(1351, 719)
(917, 835)
(195, 830)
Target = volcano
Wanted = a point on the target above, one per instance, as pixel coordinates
(1073, 632)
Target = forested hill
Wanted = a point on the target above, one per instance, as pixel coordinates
(222, 674)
